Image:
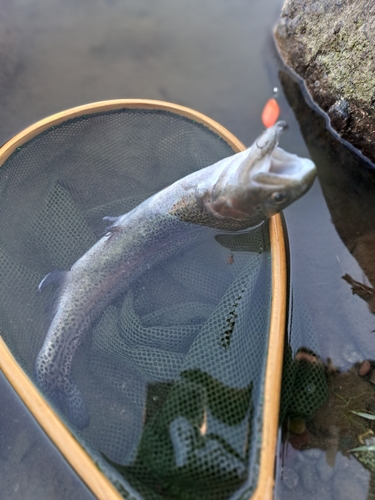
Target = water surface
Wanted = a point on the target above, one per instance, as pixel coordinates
(218, 58)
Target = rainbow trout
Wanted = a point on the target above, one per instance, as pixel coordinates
(236, 193)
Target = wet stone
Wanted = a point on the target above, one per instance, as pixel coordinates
(364, 368)
(324, 470)
(309, 477)
(350, 354)
(330, 44)
(313, 454)
(347, 485)
(299, 462)
(339, 114)
(290, 478)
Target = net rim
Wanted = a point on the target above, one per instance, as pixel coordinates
(58, 433)
(112, 105)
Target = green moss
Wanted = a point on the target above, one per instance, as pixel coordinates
(337, 43)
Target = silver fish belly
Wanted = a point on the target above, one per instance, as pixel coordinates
(235, 193)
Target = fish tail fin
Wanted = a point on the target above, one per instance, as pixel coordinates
(63, 392)
(72, 405)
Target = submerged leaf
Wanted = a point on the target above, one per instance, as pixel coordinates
(370, 447)
(369, 416)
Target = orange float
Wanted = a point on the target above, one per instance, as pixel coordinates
(270, 113)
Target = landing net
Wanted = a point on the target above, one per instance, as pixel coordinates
(173, 372)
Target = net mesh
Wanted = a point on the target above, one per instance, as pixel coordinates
(172, 373)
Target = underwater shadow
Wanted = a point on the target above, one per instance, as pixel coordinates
(347, 180)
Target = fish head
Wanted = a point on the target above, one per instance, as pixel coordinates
(286, 177)
(261, 181)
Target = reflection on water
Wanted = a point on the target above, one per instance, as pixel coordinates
(316, 455)
(213, 56)
(208, 55)
(330, 415)
(347, 181)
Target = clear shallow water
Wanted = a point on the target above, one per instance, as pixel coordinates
(30, 465)
(216, 58)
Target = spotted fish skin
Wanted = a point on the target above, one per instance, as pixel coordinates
(93, 282)
(235, 193)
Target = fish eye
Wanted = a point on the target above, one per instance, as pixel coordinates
(277, 197)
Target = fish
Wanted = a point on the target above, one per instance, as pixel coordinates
(235, 193)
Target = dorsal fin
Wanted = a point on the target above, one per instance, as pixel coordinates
(53, 278)
(109, 218)
(113, 228)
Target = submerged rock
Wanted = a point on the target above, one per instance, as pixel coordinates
(331, 45)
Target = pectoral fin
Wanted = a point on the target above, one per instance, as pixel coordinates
(56, 278)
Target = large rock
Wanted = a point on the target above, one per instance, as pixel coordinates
(331, 45)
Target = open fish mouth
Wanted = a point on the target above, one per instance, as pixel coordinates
(284, 169)
(261, 181)
(278, 164)
(288, 164)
